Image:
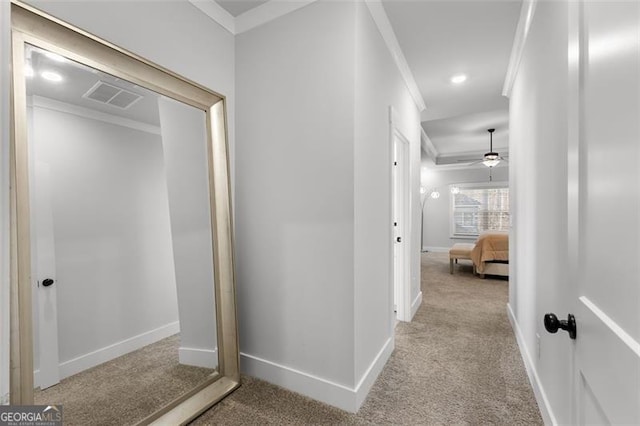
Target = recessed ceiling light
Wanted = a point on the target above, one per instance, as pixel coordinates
(55, 57)
(459, 78)
(51, 76)
(28, 71)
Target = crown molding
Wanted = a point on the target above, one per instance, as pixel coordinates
(55, 105)
(216, 12)
(250, 19)
(267, 12)
(522, 31)
(386, 30)
(428, 146)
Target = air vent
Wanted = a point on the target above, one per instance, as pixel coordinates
(106, 93)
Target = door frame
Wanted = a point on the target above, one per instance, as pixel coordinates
(403, 289)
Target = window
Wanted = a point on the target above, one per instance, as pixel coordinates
(475, 209)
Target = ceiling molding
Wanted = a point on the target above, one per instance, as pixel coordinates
(386, 30)
(522, 31)
(55, 105)
(428, 146)
(267, 12)
(216, 12)
(250, 19)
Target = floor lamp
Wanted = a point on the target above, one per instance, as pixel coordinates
(433, 194)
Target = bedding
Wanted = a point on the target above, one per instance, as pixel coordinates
(491, 246)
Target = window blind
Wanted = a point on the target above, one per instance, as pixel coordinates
(476, 210)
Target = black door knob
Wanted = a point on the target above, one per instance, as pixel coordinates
(552, 324)
(399, 239)
(47, 282)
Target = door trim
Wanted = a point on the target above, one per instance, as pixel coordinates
(404, 306)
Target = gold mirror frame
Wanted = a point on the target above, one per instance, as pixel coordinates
(31, 26)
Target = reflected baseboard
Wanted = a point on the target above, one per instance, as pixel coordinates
(100, 356)
(207, 358)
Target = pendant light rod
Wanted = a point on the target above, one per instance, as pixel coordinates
(491, 136)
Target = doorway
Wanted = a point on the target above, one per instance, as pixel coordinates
(401, 226)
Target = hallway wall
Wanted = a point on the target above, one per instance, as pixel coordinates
(313, 200)
(294, 199)
(379, 85)
(538, 175)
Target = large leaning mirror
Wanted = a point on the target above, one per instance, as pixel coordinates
(123, 301)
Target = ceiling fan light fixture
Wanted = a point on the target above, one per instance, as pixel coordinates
(490, 163)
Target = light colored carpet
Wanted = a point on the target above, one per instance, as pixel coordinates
(126, 389)
(456, 363)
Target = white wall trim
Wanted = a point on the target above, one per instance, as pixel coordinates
(534, 379)
(375, 368)
(436, 249)
(206, 358)
(335, 394)
(522, 31)
(54, 105)
(386, 30)
(91, 359)
(250, 19)
(416, 304)
(428, 146)
(619, 332)
(267, 12)
(217, 13)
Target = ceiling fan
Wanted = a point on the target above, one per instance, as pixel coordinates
(491, 158)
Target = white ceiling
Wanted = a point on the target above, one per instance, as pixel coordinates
(78, 79)
(238, 7)
(442, 38)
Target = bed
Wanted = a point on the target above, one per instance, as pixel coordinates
(490, 255)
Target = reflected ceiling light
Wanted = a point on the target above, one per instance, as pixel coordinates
(51, 76)
(455, 190)
(55, 57)
(435, 194)
(459, 78)
(28, 71)
(423, 190)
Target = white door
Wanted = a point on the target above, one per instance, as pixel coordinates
(43, 257)
(604, 209)
(400, 226)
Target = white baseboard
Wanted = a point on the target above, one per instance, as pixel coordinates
(436, 249)
(335, 394)
(207, 358)
(375, 368)
(83, 362)
(534, 379)
(416, 304)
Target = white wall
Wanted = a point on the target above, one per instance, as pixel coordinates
(114, 262)
(313, 199)
(538, 166)
(175, 35)
(294, 196)
(184, 141)
(379, 85)
(437, 220)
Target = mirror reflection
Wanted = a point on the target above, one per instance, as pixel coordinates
(123, 286)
